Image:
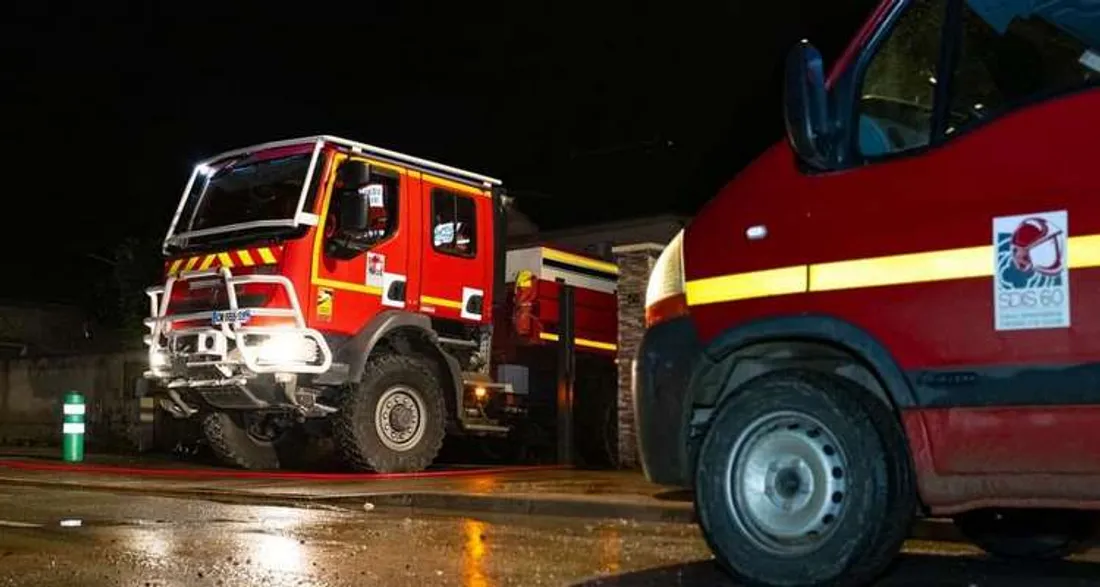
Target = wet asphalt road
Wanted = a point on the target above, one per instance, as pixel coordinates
(88, 539)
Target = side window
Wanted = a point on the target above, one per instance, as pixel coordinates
(454, 223)
(899, 85)
(1010, 57)
(383, 193)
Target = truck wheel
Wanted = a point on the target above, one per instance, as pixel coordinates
(1028, 534)
(796, 483)
(247, 440)
(394, 420)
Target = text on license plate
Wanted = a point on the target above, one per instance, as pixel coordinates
(231, 316)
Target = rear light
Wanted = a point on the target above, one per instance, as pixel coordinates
(664, 295)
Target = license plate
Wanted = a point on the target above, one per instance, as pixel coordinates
(230, 317)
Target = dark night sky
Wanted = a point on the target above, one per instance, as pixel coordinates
(614, 109)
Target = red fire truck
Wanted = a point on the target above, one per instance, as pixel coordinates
(327, 286)
(890, 313)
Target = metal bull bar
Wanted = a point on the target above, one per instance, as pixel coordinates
(228, 325)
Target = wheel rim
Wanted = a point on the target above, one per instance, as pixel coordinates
(399, 418)
(786, 482)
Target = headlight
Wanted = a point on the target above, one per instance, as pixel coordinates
(664, 294)
(284, 349)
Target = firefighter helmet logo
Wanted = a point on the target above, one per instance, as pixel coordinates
(1032, 255)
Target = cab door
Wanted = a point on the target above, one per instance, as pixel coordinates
(456, 267)
(962, 233)
(352, 286)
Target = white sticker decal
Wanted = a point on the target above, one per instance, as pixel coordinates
(374, 193)
(472, 300)
(376, 267)
(1031, 271)
(393, 290)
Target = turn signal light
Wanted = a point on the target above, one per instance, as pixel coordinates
(661, 311)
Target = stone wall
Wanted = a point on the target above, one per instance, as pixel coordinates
(635, 263)
(31, 392)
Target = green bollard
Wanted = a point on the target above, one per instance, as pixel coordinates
(72, 428)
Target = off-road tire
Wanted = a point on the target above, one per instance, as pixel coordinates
(229, 441)
(354, 428)
(1029, 534)
(878, 501)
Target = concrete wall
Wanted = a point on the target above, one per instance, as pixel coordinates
(28, 329)
(31, 392)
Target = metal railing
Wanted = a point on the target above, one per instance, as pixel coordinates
(230, 327)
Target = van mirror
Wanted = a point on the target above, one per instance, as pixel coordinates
(806, 109)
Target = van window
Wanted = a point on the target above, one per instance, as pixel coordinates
(899, 86)
(1015, 53)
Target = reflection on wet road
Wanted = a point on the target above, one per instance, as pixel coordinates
(55, 538)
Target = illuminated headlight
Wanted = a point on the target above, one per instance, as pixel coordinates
(284, 349)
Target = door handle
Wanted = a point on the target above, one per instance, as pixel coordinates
(756, 232)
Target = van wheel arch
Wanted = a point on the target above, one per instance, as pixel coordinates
(818, 342)
(813, 342)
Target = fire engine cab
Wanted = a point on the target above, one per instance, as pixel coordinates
(895, 311)
(326, 281)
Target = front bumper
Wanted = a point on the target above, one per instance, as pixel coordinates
(663, 368)
(216, 351)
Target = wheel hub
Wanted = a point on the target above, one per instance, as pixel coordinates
(398, 418)
(786, 482)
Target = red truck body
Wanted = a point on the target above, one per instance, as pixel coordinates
(293, 267)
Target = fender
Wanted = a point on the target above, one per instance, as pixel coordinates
(355, 351)
(818, 328)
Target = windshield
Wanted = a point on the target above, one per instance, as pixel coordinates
(243, 190)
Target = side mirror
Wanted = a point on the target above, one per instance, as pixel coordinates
(354, 200)
(354, 210)
(806, 109)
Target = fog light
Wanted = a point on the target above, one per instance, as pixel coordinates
(159, 361)
(480, 392)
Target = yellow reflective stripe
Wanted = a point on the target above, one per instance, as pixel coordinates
(744, 286)
(246, 259)
(265, 254)
(433, 301)
(225, 260)
(595, 344)
(207, 262)
(191, 263)
(1084, 251)
(903, 269)
(579, 261)
(175, 266)
(929, 266)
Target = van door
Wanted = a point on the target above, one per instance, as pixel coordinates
(964, 236)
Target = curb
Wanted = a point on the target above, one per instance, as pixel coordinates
(411, 502)
(521, 505)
